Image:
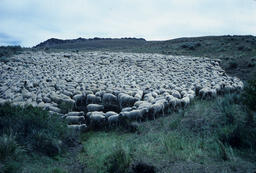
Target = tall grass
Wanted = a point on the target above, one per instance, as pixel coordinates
(26, 130)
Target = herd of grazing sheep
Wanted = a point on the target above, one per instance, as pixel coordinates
(104, 88)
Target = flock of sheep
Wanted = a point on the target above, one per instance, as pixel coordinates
(98, 89)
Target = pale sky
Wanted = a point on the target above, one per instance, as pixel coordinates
(29, 22)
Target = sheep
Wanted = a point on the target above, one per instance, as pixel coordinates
(176, 94)
(127, 109)
(75, 119)
(148, 97)
(185, 101)
(80, 99)
(184, 93)
(172, 101)
(139, 94)
(207, 93)
(55, 113)
(92, 99)
(113, 120)
(99, 93)
(96, 119)
(142, 104)
(126, 100)
(80, 127)
(109, 99)
(94, 107)
(135, 114)
(191, 94)
(69, 103)
(110, 113)
(154, 94)
(2, 101)
(159, 107)
(75, 113)
(54, 109)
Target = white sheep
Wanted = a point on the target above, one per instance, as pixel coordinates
(149, 97)
(139, 94)
(159, 108)
(127, 109)
(176, 94)
(54, 109)
(207, 93)
(75, 119)
(80, 99)
(134, 114)
(81, 113)
(113, 120)
(110, 113)
(92, 99)
(96, 119)
(185, 101)
(109, 99)
(94, 107)
(126, 100)
(80, 127)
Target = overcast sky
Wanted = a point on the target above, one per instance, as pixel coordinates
(29, 22)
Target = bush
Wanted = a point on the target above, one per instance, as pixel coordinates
(238, 129)
(227, 107)
(239, 136)
(118, 161)
(58, 170)
(12, 167)
(233, 65)
(9, 149)
(249, 95)
(10, 154)
(35, 128)
(7, 51)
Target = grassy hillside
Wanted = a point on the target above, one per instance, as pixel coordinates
(217, 135)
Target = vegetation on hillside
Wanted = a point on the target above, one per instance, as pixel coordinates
(8, 51)
(210, 134)
(28, 130)
(217, 135)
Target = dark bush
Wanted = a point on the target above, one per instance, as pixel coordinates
(233, 65)
(240, 136)
(9, 149)
(142, 167)
(249, 95)
(35, 128)
(227, 108)
(7, 51)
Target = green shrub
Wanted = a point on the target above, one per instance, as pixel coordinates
(227, 107)
(118, 161)
(12, 167)
(7, 51)
(9, 149)
(249, 95)
(225, 152)
(58, 170)
(35, 128)
(239, 136)
(233, 65)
